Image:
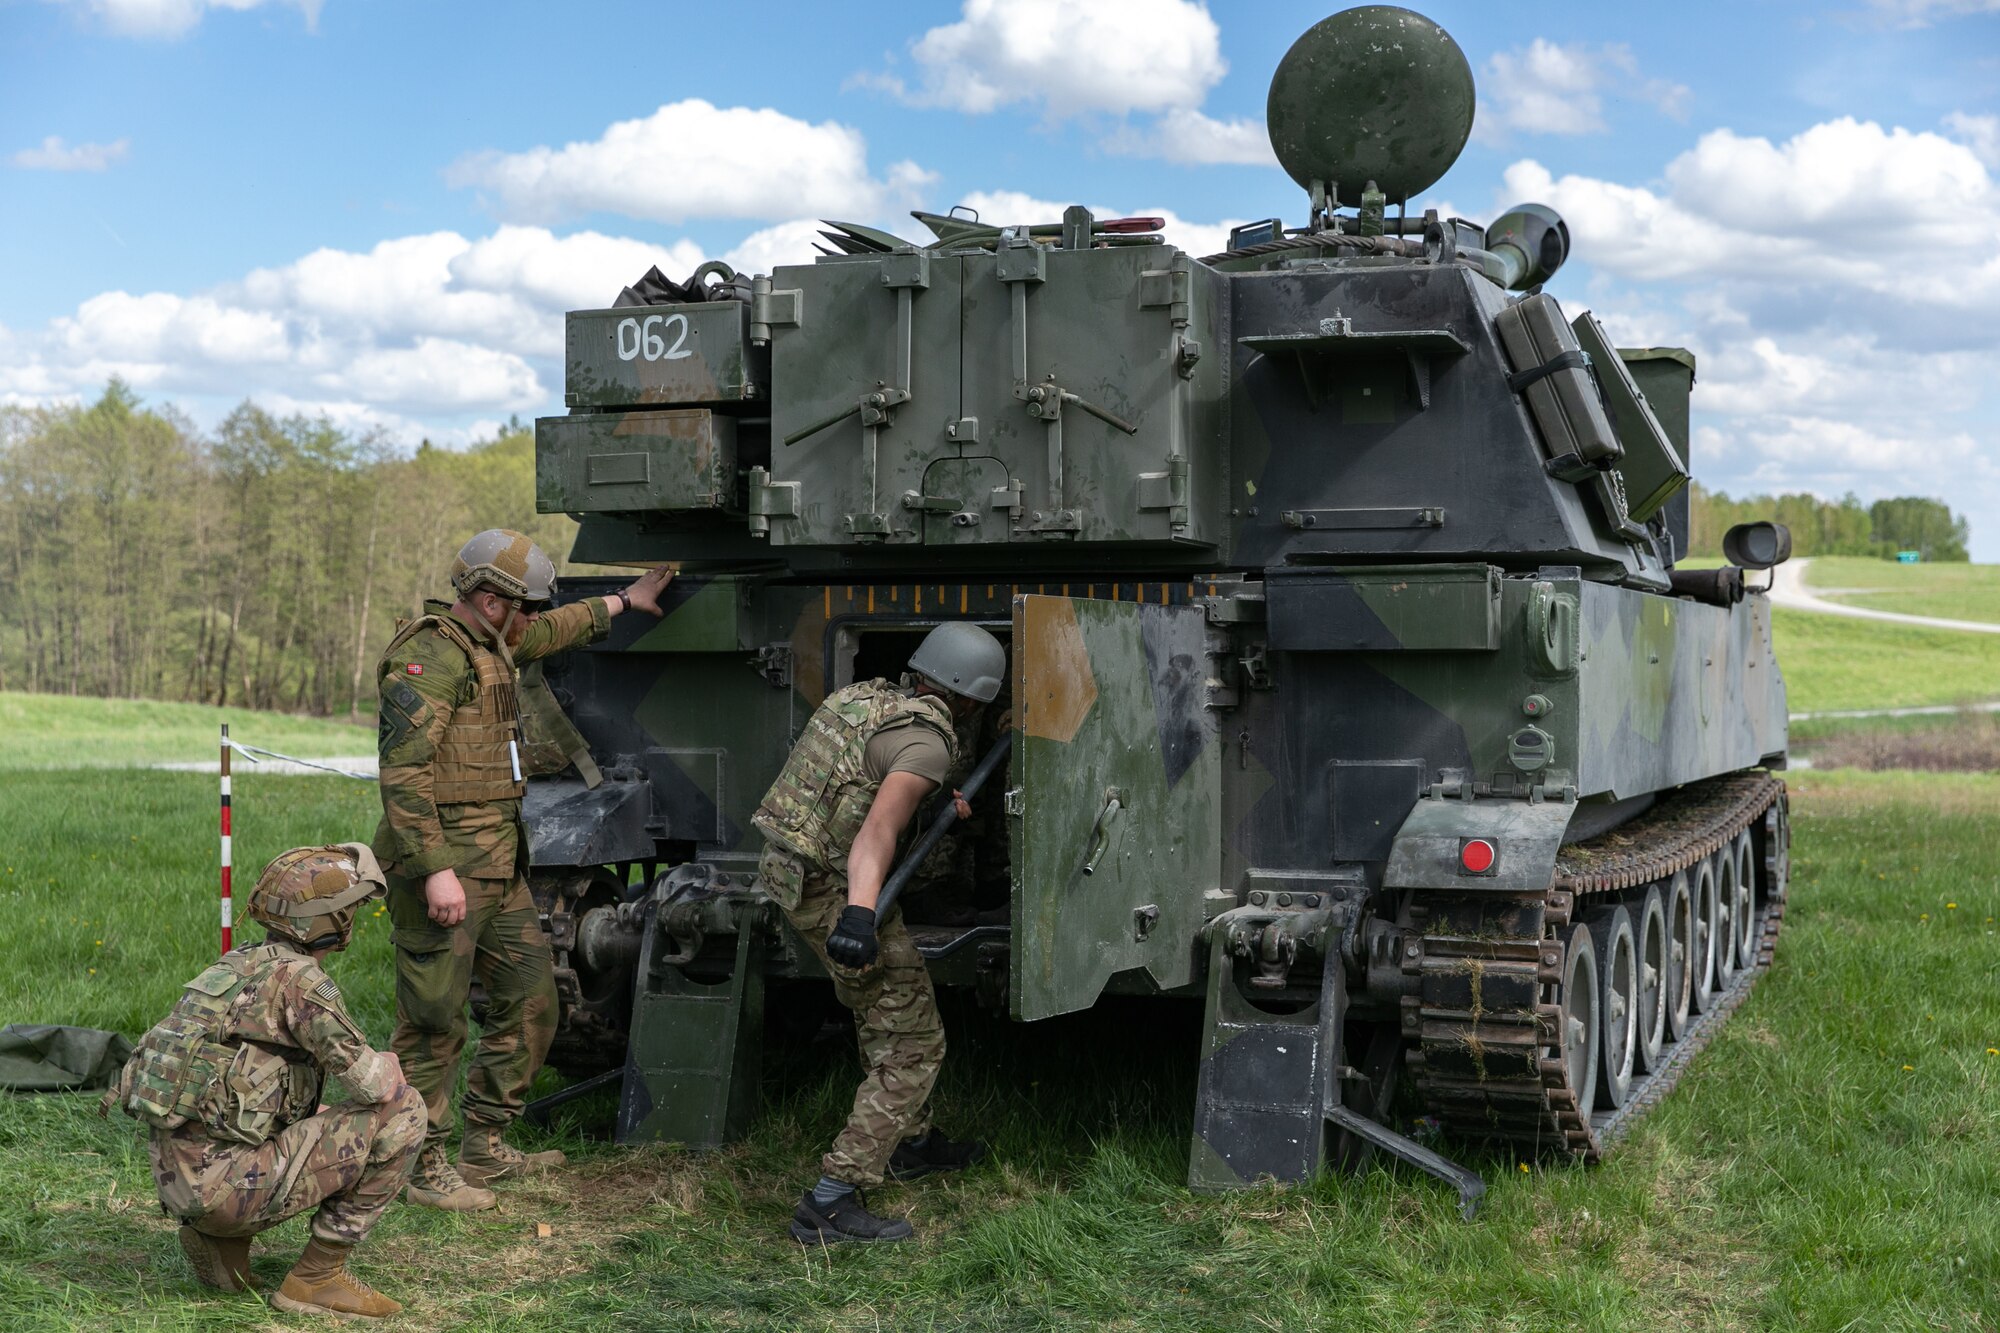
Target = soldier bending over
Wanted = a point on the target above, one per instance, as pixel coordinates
(869, 757)
(230, 1079)
(452, 839)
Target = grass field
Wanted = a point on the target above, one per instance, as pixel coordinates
(41, 731)
(1833, 1160)
(1954, 590)
(1837, 662)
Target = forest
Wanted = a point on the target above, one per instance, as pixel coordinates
(263, 563)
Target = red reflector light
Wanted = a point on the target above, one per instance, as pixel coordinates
(1477, 855)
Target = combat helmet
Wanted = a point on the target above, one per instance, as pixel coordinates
(308, 896)
(508, 563)
(963, 658)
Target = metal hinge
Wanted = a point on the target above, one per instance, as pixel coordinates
(770, 499)
(1015, 802)
(770, 305)
(774, 663)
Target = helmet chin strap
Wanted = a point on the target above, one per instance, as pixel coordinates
(499, 632)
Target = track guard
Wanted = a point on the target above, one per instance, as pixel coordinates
(693, 1063)
(1268, 1097)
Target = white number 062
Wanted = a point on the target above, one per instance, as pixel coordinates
(648, 338)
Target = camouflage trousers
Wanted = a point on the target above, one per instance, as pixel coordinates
(895, 1019)
(350, 1161)
(501, 942)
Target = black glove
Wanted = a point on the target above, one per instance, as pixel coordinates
(852, 943)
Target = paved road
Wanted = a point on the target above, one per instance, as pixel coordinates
(1789, 590)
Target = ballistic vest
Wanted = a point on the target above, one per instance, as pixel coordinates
(473, 763)
(821, 798)
(191, 1068)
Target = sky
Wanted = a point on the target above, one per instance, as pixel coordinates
(379, 211)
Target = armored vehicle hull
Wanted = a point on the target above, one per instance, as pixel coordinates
(1353, 684)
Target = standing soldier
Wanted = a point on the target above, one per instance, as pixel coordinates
(229, 1082)
(869, 757)
(452, 840)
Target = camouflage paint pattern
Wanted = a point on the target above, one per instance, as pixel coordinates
(502, 944)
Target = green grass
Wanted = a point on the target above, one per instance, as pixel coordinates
(41, 731)
(1838, 662)
(1953, 590)
(1831, 1162)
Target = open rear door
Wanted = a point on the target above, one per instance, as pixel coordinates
(1115, 797)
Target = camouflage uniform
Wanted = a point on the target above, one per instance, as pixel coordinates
(450, 798)
(230, 1080)
(809, 820)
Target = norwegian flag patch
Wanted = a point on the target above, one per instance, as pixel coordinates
(415, 668)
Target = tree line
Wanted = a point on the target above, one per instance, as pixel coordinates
(1835, 527)
(261, 565)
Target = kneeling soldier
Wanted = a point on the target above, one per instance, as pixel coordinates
(230, 1080)
(869, 757)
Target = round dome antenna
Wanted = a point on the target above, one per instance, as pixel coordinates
(1377, 93)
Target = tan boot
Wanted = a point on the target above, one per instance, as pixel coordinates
(319, 1283)
(436, 1183)
(485, 1157)
(221, 1262)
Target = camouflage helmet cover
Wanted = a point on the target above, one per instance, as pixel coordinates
(508, 563)
(961, 657)
(309, 894)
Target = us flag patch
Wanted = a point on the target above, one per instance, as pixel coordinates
(415, 668)
(326, 992)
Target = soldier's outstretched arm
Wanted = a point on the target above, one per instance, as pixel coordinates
(590, 620)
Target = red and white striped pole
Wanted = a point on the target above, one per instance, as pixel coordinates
(225, 838)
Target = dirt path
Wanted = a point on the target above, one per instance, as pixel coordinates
(1788, 589)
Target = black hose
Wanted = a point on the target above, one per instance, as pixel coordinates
(947, 816)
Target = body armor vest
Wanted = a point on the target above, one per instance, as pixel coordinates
(821, 798)
(189, 1069)
(474, 763)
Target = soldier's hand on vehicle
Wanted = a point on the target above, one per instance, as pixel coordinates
(644, 591)
(445, 897)
(852, 943)
(960, 804)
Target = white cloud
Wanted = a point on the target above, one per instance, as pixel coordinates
(55, 155)
(427, 324)
(1551, 88)
(1137, 55)
(1842, 345)
(173, 18)
(1979, 133)
(692, 159)
(1920, 13)
(1800, 226)
(1187, 135)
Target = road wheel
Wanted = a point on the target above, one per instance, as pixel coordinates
(1649, 951)
(1726, 906)
(1747, 917)
(1701, 957)
(1618, 1006)
(1582, 1001)
(1677, 904)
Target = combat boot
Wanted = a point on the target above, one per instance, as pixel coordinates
(221, 1262)
(436, 1183)
(845, 1221)
(485, 1157)
(319, 1283)
(933, 1152)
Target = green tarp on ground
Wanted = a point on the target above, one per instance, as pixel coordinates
(44, 1057)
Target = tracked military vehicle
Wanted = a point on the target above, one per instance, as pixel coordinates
(1355, 686)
